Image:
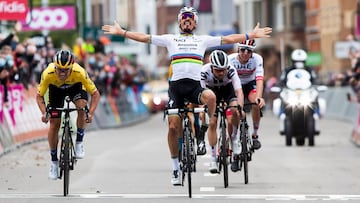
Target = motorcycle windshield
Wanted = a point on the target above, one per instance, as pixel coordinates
(298, 79)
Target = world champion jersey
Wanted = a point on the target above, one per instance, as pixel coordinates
(252, 70)
(209, 80)
(186, 53)
(78, 74)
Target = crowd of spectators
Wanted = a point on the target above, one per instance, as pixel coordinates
(23, 61)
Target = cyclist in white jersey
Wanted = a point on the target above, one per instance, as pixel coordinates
(186, 52)
(222, 79)
(249, 66)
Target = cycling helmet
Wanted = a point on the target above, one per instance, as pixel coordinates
(298, 55)
(247, 44)
(218, 59)
(188, 10)
(64, 59)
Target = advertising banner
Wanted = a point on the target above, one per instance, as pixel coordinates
(50, 18)
(13, 9)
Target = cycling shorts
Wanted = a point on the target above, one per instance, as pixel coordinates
(184, 89)
(57, 96)
(248, 88)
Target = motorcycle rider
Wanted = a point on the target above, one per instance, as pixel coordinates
(298, 58)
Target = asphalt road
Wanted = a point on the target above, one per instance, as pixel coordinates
(131, 164)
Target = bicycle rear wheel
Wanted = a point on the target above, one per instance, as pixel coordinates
(66, 160)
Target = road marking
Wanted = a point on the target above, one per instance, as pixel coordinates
(270, 197)
(207, 189)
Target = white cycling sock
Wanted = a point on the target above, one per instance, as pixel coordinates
(175, 163)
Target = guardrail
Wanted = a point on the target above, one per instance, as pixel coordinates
(20, 120)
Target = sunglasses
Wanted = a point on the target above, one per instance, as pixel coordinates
(63, 70)
(187, 15)
(248, 50)
(217, 69)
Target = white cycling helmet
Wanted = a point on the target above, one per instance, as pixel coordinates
(219, 59)
(247, 44)
(188, 10)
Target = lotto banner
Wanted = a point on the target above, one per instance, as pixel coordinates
(13, 9)
(50, 18)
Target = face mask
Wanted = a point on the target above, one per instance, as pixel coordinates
(8, 57)
(91, 60)
(299, 64)
(10, 63)
(2, 62)
(101, 64)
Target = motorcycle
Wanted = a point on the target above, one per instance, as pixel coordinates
(299, 108)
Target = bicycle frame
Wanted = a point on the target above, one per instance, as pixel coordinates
(187, 156)
(67, 150)
(246, 144)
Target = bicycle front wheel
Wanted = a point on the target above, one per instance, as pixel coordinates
(224, 154)
(188, 160)
(244, 159)
(66, 160)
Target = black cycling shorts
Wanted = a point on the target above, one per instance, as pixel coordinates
(249, 87)
(225, 93)
(184, 89)
(57, 96)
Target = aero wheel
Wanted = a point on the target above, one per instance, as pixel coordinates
(66, 161)
(224, 151)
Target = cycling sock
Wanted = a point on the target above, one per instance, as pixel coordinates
(213, 152)
(53, 154)
(256, 127)
(175, 163)
(80, 135)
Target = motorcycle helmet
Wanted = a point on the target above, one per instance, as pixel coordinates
(298, 57)
(218, 59)
(189, 10)
(247, 44)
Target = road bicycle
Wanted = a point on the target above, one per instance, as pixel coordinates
(187, 152)
(246, 143)
(67, 150)
(223, 142)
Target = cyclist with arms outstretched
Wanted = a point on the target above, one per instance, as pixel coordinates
(63, 77)
(186, 51)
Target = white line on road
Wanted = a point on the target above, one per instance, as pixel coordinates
(272, 197)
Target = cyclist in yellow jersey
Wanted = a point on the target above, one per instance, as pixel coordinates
(63, 78)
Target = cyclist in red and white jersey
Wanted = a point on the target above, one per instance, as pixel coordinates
(249, 66)
(186, 52)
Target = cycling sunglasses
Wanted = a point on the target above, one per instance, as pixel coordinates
(248, 50)
(187, 15)
(63, 70)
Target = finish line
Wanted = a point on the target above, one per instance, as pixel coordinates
(272, 197)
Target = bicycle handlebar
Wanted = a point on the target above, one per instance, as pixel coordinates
(67, 109)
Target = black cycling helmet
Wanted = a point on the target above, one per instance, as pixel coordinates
(64, 59)
(218, 59)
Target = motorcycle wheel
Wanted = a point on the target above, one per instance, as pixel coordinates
(288, 132)
(311, 131)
